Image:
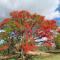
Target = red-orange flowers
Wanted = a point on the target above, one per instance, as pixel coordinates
(20, 14)
(28, 23)
(6, 20)
(4, 47)
(14, 14)
(23, 14)
(17, 24)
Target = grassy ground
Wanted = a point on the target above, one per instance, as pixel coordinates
(52, 57)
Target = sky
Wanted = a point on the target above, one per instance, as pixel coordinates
(43, 7)
(46, 8)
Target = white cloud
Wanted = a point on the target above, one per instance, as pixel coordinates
(52, 15)
(43, 7)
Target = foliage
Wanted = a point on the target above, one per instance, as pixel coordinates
(22, 27)
(57, 40)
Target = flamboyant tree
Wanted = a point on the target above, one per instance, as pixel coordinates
(25, 26)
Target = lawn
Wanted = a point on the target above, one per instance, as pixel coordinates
(52, 57)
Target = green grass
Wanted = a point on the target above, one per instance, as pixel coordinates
(52, 57)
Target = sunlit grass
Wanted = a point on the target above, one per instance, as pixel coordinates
(52, 57)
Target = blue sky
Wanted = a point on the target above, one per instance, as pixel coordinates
(43, 7)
